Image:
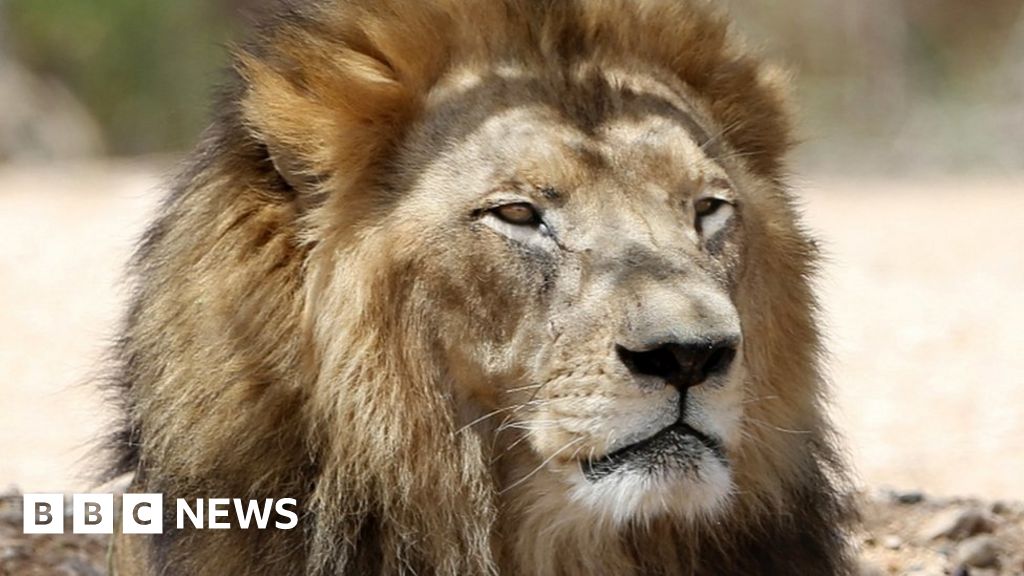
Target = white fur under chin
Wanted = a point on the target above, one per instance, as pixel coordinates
(625, 496)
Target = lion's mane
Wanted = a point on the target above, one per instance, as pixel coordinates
(276, 341)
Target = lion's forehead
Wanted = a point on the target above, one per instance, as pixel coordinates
(505, 124)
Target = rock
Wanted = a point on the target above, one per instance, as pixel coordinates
(909, 497)
(979, 551)
(899, 496)
(957, 524)
(1000, 508)
(960, 570)
(14, 552)
(11, 517)
(892, 542)
(918, 570)
(76, 567)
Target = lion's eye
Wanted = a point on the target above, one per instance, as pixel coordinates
(520, 221)
(712, 215)
(708, 206)
(518, 214)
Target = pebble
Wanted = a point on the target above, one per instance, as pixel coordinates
(12, 553)
(979, 551)
(892, 542)
(920, 570)
(11, 517)
(909, 497)
(1003, 508)
(76, 567)
(900, 496)
(957, 524)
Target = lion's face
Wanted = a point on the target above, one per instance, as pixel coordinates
(585, 271)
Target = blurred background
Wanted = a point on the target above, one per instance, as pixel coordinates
(912, 170)
(899, 85)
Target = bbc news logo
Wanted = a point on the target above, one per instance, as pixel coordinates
(144, 513)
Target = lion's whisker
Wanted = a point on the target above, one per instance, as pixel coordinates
(511, 409)
(521, 388)
(531, 424)
(486, 416)
(542, 465)
(504, 421)
(732, 155)
(718, 136)
(577, 452)
(757, 399)
(769, 425)
(510, 447)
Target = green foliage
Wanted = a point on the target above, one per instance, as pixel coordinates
(144, 67)
(899, 79)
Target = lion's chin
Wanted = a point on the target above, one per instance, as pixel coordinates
(678, 472)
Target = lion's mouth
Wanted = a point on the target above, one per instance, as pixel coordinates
(674, 444)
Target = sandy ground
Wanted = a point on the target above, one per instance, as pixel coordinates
(922, 291)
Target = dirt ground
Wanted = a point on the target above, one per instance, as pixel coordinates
(904, 533)
(922, 296)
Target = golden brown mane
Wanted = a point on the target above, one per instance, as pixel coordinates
(278, 345)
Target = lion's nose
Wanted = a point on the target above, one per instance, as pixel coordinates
(682, 365)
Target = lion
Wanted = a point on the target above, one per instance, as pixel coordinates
(488, 287)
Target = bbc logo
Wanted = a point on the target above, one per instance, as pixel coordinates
(93, 514)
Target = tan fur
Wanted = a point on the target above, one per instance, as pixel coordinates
(318, 317)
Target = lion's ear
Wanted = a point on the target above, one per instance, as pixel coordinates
(290, 169)
(320, 127)
(327, 107)
(293, 127)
